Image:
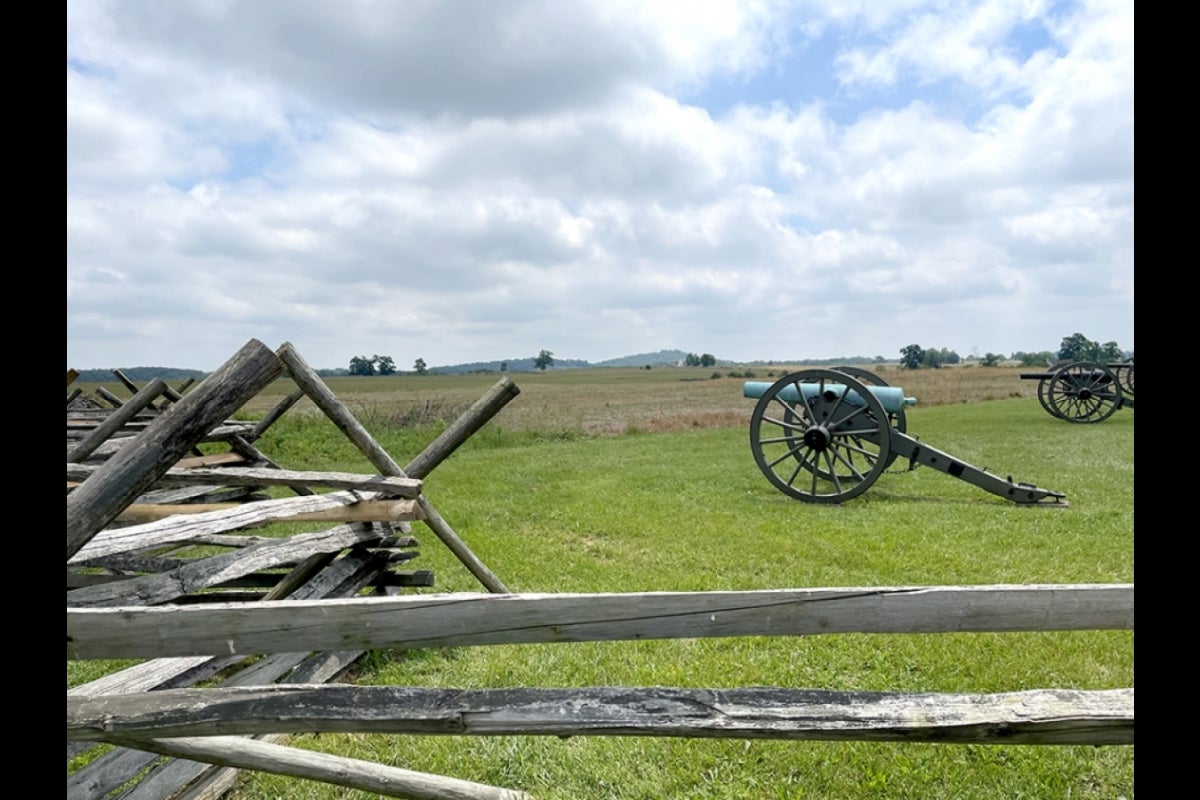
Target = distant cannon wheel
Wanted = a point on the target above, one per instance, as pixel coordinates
(820, 436)
(1083, 391)
(1043, 395)
(1125, 376)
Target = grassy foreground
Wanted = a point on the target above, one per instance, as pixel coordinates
(635, 480)
(561, 510)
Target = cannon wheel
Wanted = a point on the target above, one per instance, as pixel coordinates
(1083, 391)
(1125, 376)
(822, 449)
(1043, 395)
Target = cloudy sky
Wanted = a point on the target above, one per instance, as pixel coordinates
(472, 180)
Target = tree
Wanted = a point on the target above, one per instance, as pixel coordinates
(691, 360)
(991, 360)
(708, 360)
(361, 365)
(1078, 347)
(912, 356)
(384, 365)
(1111, 351)
(419, 367)
(544, 359)
(504, 366)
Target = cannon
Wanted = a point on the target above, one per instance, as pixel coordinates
(826, 435)
(1084, 391)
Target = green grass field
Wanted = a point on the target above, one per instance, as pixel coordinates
(643, 482)
(689, 510)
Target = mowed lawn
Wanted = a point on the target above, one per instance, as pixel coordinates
(673, 506)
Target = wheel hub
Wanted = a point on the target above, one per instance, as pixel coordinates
(817, 437)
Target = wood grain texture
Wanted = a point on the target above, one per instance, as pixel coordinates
(1040, 716)
(453, 620)
(257, 476)
(187, 528)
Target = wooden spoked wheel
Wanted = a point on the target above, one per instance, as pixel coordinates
(1083, 391)
(820, 436)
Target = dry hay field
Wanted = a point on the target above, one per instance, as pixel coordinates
(610, 401)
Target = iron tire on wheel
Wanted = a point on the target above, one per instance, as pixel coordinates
(1043, 395)
(1125, 375)
(1082, 392)
(820, 436)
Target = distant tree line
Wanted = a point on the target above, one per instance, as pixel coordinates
(1075, 347)
(386, 365)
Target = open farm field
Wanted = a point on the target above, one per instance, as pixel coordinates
(609, 401)
(612, 481)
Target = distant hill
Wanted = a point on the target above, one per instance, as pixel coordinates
(510, 365)
(663, 358)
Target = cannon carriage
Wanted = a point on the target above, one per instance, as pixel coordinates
(1084, 391)
(826, 435)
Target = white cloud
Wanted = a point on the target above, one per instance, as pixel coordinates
(482, 180)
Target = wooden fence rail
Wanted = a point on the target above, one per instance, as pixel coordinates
(462, 619)
(1031, 717)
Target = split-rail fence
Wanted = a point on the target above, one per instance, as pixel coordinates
(152, 477)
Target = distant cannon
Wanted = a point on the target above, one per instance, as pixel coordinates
(826, 435)
(1084, 391)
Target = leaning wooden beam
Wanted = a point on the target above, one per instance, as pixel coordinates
(137, 466)
(109, 397)
(133, 387)
(203, 573)
(274, 414)
(462, 428)
(72, 374)
(255, 476)
(233, 751)
(184, 528)
(115, 421)
(308, 380)
(452, 620)
(458, 547)
(1040, 716)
